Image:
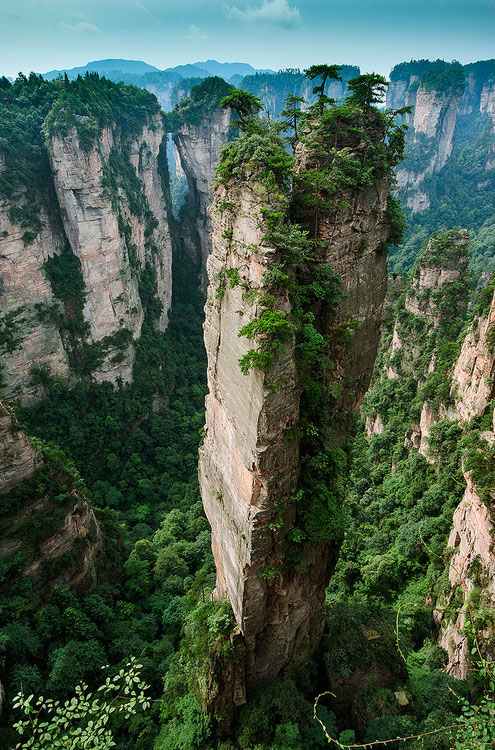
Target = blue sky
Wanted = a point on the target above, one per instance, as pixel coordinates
(375, 34)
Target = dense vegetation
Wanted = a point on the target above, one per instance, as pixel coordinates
(203, 98)
(461, 193)
(393, 568)
(273, 88)
(134, 450)
(32, 109)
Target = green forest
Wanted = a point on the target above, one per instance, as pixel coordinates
(131, 450)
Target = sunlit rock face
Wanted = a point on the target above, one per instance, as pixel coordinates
(248, 467)
(111, 238)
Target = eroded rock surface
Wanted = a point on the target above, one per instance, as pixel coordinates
(248, 468)
(114, 222)
(66, 555)
(18, 459)
(199, 148)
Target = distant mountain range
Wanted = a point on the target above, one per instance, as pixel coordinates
(136, 67)
(112, 67)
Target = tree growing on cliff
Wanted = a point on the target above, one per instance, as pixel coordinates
(325, 73)
(367, 89)
(245, 105)
(292, 115)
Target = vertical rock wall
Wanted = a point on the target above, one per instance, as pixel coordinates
(249, 463)
(92, 217)
(199, 150)
(113, 240)
(18, 458)
(441, 117)
(23, 285)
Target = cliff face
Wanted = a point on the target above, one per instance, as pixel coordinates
(434, 297)
(244, 461)
(18, 459)
(472, 564)
(199, 148)
(450, 105)
(250, 463)
(93, 214)
(273, 88)
(47, 522)
(27, 339)
(105, 216)
(472, 379)
(429, 316)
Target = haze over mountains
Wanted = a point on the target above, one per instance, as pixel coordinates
(203, 69)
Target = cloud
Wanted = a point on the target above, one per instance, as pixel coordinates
(195, 34)
(81, 27)
(276, 12)
(142, 7)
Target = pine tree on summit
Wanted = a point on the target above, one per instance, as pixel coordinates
(245, 105)
(325, 72)
(367, 89)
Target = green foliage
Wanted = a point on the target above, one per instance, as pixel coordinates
(324, 73)
(91, 103)
(460, 195)
(11, 325)
(292, 115)
(367, 89)
(261, 150)
(271, 329)
(403, 71)
(36, 109)
(245, 105)
(84, 720)
(203, 99)
(65, 276)
(136, 447)
(396, 219)
(447, 81)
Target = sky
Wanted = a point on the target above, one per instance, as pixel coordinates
(42, 35)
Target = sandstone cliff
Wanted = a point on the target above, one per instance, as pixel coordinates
(202, 128)
(450, 384)
(472, 565)
(256, 450)
(451, 105)
(199, 148)
(273, 88)
(18, 458)
(27, 339)
(94, 208)
(70, 285)
(48, 527)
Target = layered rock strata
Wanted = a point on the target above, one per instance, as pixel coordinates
(113, 230)
(451, 104)
(18, 459)
(199, 146)
(248, 466)
(428, 316)
(93, 216)
(28, 340)
(472, 566)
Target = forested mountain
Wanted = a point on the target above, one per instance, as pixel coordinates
(448, 176)
(339, 541)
